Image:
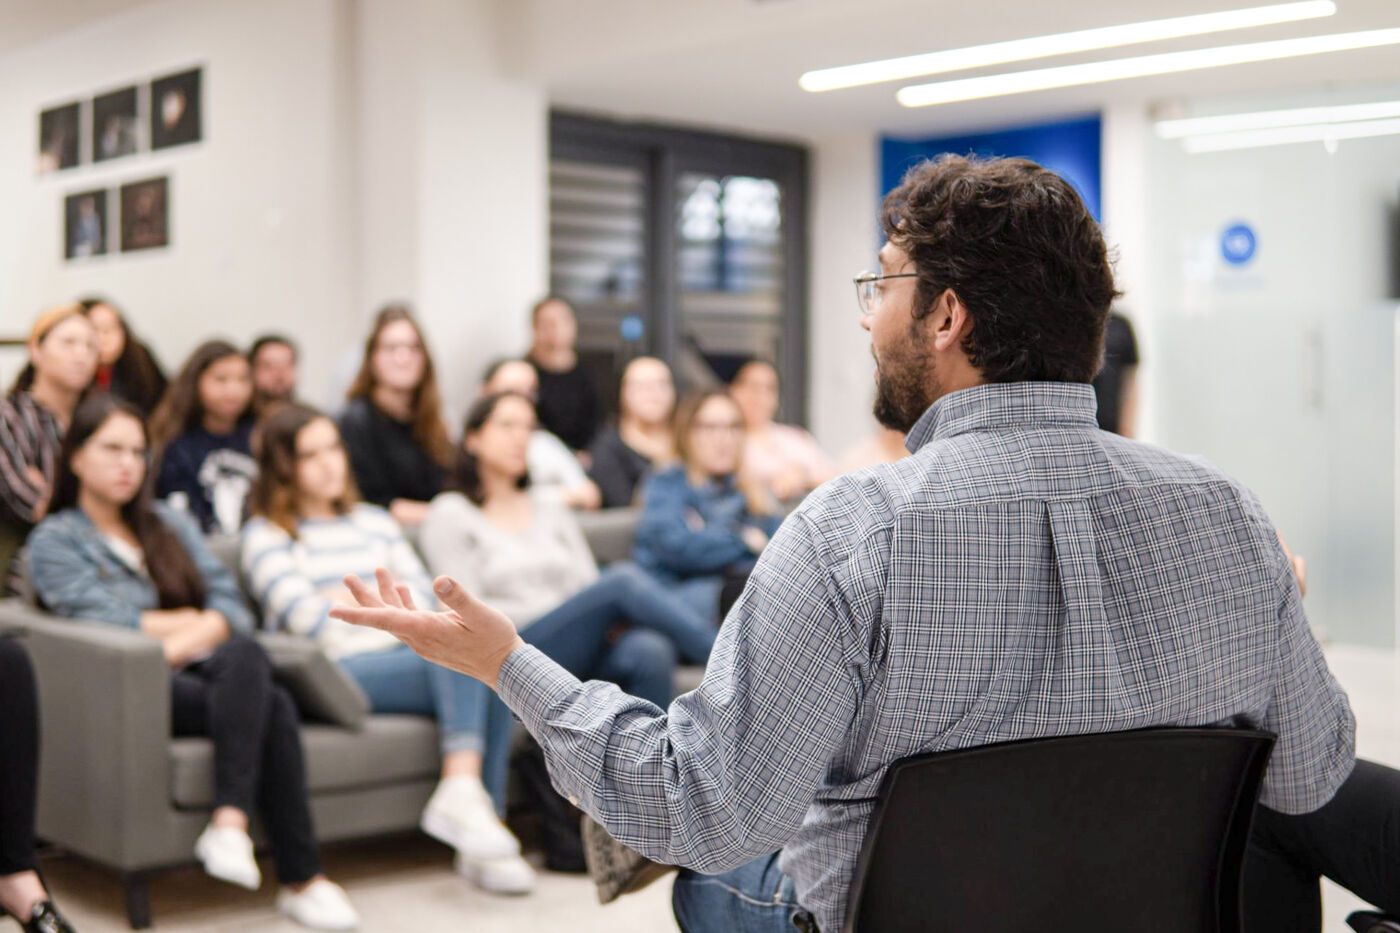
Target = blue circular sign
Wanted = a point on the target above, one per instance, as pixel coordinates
(1238, 244)
(632, 328)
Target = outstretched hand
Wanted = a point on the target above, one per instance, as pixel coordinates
(468, 636)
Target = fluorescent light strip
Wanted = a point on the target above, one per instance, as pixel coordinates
(1042, 79)
(1268, 119)
(1065, 43)
(1280, 136)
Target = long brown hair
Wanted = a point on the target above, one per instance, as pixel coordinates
(171, 568)
(136, 371)
(466, 474)
(275, 495)
(429, 430)
(759, 502)
(180, 410)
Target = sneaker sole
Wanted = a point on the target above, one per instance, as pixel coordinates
(470, 845)
(476, 876)
(291, 915)
(246, 884)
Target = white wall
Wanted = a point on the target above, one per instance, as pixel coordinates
(844, 236)
(258, 210)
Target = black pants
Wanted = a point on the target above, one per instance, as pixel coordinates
(258, 767)
(1354, 840)
(19, 757)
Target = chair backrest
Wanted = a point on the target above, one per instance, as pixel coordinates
(1129, 830)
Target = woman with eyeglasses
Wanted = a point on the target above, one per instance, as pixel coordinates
(702, 520)
(392, 425)
(107, 554)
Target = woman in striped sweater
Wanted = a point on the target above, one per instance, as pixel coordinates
(308, 533)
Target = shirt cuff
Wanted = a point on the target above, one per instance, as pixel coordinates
(531, 685)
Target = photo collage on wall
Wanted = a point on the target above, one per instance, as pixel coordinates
(113, 127)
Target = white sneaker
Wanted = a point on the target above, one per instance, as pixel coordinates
(227, 854)
(322, 905)
(460, 814)
(509, 875)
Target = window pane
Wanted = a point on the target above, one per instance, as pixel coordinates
(596, 228)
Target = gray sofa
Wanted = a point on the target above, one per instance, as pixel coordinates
(117, 789)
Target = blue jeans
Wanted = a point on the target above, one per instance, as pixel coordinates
(470, 717)
(753, 898)
(576, 633)
(701, 595)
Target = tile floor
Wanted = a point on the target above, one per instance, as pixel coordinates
(407, 883)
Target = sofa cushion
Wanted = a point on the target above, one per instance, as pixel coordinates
(387, 750)
(609, 533)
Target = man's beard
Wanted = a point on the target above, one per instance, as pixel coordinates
(906, 384)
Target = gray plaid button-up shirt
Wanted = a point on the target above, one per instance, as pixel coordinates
(1023, 574)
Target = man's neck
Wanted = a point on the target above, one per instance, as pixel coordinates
(397, 403)
(555, 359)
(59, 401)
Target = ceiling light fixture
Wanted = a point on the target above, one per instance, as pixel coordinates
(1042, 79)
(1327, 133)
(1270, 119)
(1065, 43)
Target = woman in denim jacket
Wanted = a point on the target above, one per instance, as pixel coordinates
(701, 520)
(106, 555)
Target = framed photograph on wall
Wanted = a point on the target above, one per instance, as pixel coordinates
(145, 214)
(58, 138)
(175, 110)
(85, 224)
(115, 127)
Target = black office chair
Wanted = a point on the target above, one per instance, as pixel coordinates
(1124, 831)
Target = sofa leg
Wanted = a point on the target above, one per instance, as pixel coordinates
(138, 900)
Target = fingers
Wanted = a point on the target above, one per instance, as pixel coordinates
(388, 588)
(406, 596)
(455, 597)
(362, 593)
(383, 618)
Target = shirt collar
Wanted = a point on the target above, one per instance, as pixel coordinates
(1004, 404)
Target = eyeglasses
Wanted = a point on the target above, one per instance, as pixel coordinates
(868, 288)
(718, 427)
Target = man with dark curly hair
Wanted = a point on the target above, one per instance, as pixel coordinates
(1022, 574)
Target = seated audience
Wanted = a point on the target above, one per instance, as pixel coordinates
(107, 555)
(553, 467)
(309, 532)
(642, 439)
(126, 367)
(568, 400)
(783, 458)
(525, 554)
(392, 423)
(702, 521)
(33, 418)
(272, 360)
(886, 446)
(202, 434)
(22, 893)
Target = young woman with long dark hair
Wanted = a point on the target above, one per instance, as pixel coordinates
(202, 434)
(526, 555)
(308, 532)
(107, 554)
(392, 425)
(126, 367)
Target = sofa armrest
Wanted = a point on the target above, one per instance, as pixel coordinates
(323, 691)
(104, 709)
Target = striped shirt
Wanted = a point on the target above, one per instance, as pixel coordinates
(297, 580)
(1022, 574)
(30, 441)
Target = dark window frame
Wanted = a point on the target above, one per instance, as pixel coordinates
(664, 153)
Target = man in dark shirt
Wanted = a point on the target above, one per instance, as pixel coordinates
(1116, 383)
(568, 400)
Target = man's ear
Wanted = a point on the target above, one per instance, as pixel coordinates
(951, 322)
